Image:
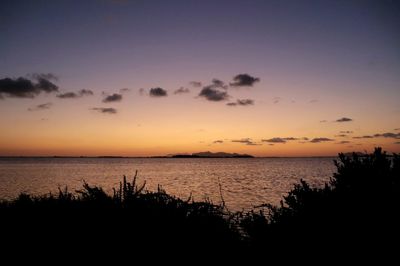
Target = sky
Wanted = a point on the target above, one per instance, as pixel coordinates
(148, 78)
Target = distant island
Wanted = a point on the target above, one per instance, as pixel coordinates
(208, 154)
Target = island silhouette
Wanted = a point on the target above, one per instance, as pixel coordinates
(208, 154)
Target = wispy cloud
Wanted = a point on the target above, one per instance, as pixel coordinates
(274, 140)
(388, 135)
(196, 84)
(181, 90)
(67, 95)
(346, 132)
(48, 76)
(218, 141)
(276, 100)
(85, 92)
(319, 140)
(363, 137)
(344, 119)
(282, 140)
(241, 102)
(125, 90)
(74, 95)
(40, 107)
(380, 135)
(104, 110)
(343, 142)
(247, 141)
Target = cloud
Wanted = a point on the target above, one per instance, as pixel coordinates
(292, 138)
(319, 140)
(105, 110)
(213, 91)
(346, 132)
(68, 95)
(216, 83)
(323, 121)
(124, 90)
(158, 92)
(341, 135)
(246, 141)
(84, 92)
(313, 101)
(398, 142)
(46, 85)
(344, 119)
(343, 142)
(363, 137)
(397, 129)
(241, 102)
(181, 90)
(242, 80)
(40, 107)
(74, 95)
(218, 141)
(276, 100)
(48, 76)
(113, 98)
(25, 88)
(383, 135)
(274, 140)
(388, 135)
(142, 91)
(196, 84)
(282, 140)
(253, 144)
(214, 95)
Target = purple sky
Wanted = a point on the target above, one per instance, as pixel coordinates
(315, 60)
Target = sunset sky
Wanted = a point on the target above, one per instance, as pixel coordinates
(144, 78)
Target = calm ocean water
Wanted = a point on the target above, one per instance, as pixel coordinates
(246, 182)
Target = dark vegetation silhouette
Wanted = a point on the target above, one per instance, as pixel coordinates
(357, 209)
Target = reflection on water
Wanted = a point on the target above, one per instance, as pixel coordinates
(246, 182)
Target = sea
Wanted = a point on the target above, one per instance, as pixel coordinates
(242, 183)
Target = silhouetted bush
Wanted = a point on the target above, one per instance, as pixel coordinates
(130, 219)
(359, 207)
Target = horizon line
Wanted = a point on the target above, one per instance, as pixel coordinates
(157, 157)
